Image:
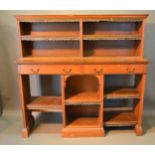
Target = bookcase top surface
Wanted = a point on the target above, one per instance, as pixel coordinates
(34, 18)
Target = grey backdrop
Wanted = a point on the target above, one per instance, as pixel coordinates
(9, 93)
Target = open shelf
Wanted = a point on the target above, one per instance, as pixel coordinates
(112, 37)
(104, 48)
(83, 98)
(49, 38)
(83, 122)
(84, 91)
(121, 93)
(119, 119)
(45, 103)
(51, 48)
(49, 29)
(82, 116)
(114, 28)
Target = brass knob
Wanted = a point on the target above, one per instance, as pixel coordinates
(98, 71)
(67, 71)
(130, 70)
(35, 71)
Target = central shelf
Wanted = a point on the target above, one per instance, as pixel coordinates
(83, 98)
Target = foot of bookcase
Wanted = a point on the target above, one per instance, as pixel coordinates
(82, 132)
(138, 130)
(26, 131)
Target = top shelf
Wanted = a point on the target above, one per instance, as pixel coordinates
(70, 35)
(75, 18)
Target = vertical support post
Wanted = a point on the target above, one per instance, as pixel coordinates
(63, 85)
(101, 92)
(138, 107)
(28, 120)
(141, 45)
(81, 38)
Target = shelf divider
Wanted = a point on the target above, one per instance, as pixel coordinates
(81, 38)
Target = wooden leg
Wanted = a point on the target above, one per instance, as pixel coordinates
(26, 130)
(28, 120)
(138, 130)
(138, 105)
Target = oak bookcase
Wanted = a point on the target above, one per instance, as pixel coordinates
(99, 59)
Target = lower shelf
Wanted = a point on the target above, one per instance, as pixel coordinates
(83, 122)
(119, 119)
(82, 132)
(45, 104)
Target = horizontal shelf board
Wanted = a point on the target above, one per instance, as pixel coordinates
(83, 97)
(119, 119)
(114, 20)
(112, 37)
(108, 109)
(48, 38)
(45, 103)
(55, 53)
(122, 93)
(111, 17)
(86, 60)
(82, 103)
(84, 122)
(37, 20)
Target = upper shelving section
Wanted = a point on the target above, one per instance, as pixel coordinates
(81, 35)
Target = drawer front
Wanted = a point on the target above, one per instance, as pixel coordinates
(124, 69)
(81, 69)
(49, 69)
(114, 69)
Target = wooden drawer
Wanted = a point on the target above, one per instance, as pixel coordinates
(49, 69)
(114, 69)
(81, 69)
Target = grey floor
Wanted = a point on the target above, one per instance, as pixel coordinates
(47, 131)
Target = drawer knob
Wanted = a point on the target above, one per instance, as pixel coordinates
(35, 71)
(67, 71)
(98, 71)
(130, 70)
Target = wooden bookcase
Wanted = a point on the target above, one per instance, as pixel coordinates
(99, 59)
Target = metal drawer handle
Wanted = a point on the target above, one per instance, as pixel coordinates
(130, 70)
(98, 71)
(67, 71)
(35, 71)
